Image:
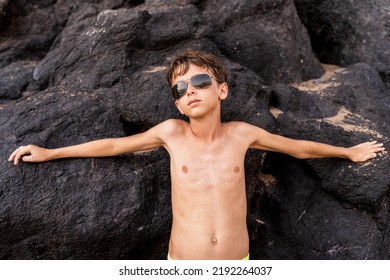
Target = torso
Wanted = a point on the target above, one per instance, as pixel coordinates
(208, 196)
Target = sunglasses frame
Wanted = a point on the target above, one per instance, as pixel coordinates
(175, 91)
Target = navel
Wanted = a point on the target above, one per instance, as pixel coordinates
(184, 168)
(236, 169)
(214, 240)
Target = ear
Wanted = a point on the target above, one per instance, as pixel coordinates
(223, 91)
(179, 107)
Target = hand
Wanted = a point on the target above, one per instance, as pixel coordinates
(365, 151)
(30, 153)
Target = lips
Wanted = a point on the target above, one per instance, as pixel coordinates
(193, 101)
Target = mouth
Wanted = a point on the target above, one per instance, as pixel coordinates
(193, 101)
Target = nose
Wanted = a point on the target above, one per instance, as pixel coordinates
(190, 89)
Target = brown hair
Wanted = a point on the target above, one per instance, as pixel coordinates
(201, 59)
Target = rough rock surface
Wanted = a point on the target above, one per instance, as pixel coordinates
(348, 32)
(74, 71)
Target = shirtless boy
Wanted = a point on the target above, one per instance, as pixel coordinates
(206, 160)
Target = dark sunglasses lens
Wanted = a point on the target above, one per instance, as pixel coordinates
(201, 81)
(179, 89)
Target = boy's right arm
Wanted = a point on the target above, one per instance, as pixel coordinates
(147, 140)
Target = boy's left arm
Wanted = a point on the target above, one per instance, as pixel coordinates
(309, 149)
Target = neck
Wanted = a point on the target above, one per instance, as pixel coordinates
(206, 129)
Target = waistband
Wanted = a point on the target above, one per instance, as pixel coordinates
(246, 258)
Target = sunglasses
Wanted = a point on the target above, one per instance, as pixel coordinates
(200, 81)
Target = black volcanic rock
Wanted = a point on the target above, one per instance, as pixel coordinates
(349, 32)
(75, 71)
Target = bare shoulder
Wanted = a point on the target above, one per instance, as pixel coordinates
(242, 127)
(241, 130)
(172, 127)
(248, 133)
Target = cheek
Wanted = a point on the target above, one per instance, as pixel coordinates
(179, 107)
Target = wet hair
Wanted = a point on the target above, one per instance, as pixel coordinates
(181, 64)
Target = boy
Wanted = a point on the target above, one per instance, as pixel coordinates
(206, 160)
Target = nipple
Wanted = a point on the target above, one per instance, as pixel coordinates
(184, 168)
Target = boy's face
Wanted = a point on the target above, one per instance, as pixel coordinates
(198, 102)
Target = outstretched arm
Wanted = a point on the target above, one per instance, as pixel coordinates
(100, 148)
(308, 149)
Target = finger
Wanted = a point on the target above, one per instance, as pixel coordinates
(376, 149)
(368, 156)
(21, 153)
(17, 157)
(375, 145)
(11, 157)
(27, 158)
(365, 144)
(379, 149)
(14, 154)
(371, 143)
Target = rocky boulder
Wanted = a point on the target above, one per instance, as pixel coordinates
(348, 32)
(75, 71)
(333, 197)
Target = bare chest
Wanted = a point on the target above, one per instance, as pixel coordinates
(203, 166)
